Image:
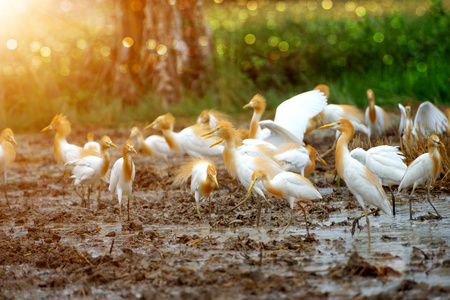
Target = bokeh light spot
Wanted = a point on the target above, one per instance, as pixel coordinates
(128, 42)
(64, 70)
(378, 37)
(81, 44)
(283, 46)
(350, 6)
(161, 49)
(221, 49)
(11, 44)
(327, 4)
(312, 5)
(273, 41)
(361, 11)
(422, 67)
(203, 41)
(250, 39)
(46, 51)
(35, 46)
(150, 44)
(252, 5)
(105, 51)
(280, 6)
(420, 11)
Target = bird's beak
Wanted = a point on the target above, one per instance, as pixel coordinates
(113, 145)
(215, 181)
(248, 105)
(47, 128)
(216, 143)
(327, 126)
(13, 141)
(321, 159)
(150, 126)
(251, 186)
(441, 144)
(210, 133)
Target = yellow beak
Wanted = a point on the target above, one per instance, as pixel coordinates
(150, 126)
(216, 143)
(14, 141)
(112, 145)
(327, 126)
(251, 186)
(210, 133)
(215, 181)
(248, 105)
(321, 159)
(47, 128)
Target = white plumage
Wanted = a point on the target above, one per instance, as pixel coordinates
(154, 146)
(7, 154)
(376, 117)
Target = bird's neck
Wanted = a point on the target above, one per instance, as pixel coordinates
(128, 166)
(207, 186)
(372, 112)
(106, 159)
(171, 139)
(60, 142)
(342, 152)
(436, 158)
(271, 189)
(254, 123)
(311, 165)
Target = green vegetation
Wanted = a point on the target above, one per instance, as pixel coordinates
(400, 49)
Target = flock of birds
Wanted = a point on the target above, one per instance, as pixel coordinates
(268, 159)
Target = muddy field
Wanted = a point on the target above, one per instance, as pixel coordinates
(51, 247)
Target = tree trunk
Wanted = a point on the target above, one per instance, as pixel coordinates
(161, 46)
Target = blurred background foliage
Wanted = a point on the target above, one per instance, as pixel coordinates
(94, 61)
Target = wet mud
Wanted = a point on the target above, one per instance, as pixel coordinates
(51, 247)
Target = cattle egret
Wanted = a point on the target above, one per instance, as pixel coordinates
(428, 119)
(376, 117)
(91, 144)
(291, 117)
(385, 162)
(289, 186)
(122, 176)
(154, 146)
(7, 154)
(188, 140)
(242, 160)
(203, 179)
(423, 170)
(360, 181)
(211, 117)
(91, 170)
(298, 159)
(63, 151)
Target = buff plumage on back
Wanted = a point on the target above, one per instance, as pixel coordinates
(185, 171)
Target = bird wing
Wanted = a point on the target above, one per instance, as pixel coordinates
(294, 160)
(402, 124)
(279, 135)
(386, 162)
(418, 172)
(296, 186)
(195, 145)
(294, 113)
(362, 183)
(429, 118)
(116, 172)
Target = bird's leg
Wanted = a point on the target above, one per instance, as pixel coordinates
(120, 212)
(410, 205)
(128, 208)
(79, 195)
(289, 222)
(239, 204)
(99, 192)
(198, 208)
(393, 199)
(306, 220)
(368, 225)
(210, 205)
(331, 149)
(258, 216)
(6, 190)
(429, 201)
(356, 223)
(89, 190)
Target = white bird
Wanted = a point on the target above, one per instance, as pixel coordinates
(91, 144)
(385, 162)
(360, 181)
(91, 170)
(188, 140)
(122, 176)
(211, 117)
(298, 159)
(203, 178)
(289, 186)
(429, 119)
(291, 117)
(376, 117)
(423, 170)
(154, 146)
(7, 154)
(242, 160)
(63, 151)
